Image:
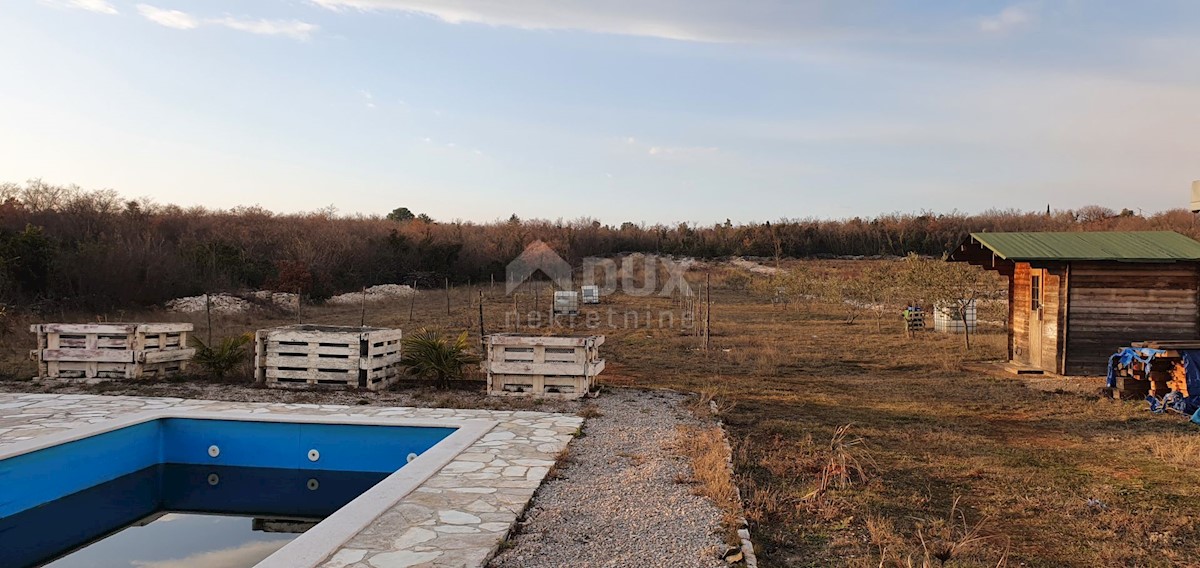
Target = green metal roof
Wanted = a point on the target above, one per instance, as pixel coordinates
(1132, 246)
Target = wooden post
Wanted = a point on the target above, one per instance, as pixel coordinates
(482, 341)
(447, 296)
(299, 302)
(708, 310)
(208, 314)
(412, 301)
(363, 321)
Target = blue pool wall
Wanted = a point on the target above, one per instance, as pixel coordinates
(44, 475)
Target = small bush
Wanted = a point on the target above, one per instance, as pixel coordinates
(429, 354)
(219, 359)
(849, 463)
(738, 281)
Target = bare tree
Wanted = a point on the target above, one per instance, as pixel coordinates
(956, 285)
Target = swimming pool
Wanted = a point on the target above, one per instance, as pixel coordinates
(63, 491)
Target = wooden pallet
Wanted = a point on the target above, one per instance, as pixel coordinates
(306, 356)
(543, 366)
(111, 350)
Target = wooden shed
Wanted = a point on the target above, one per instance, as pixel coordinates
(1074, 298)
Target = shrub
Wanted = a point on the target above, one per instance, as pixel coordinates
(738, 281)
(429, 354)
(219, 359)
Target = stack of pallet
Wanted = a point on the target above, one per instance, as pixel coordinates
(94, 351)
(543, 366)
(305, 356)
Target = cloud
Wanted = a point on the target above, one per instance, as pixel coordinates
(97, 6)
(243, 555)
(681, 151)
(687, 20)
(1009, 18)
(169, 18)
(294, 29)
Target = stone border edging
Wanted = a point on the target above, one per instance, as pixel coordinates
(743, 531)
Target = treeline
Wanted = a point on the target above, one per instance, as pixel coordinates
(68, 247)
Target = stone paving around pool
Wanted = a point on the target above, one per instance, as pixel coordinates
(457, 517)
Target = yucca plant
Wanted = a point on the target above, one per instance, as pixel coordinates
(429, 354)
(221, 357)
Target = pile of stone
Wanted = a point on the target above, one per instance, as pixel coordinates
(374, 294)
(221, 304)
(284, 300)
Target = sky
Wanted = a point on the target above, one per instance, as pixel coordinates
(618, 110)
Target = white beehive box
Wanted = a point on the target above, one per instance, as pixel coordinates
(111, 350)
(303, 356)
(542, 366)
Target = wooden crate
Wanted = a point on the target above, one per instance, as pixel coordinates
(542, 366)
(304, 356)
(94, 351)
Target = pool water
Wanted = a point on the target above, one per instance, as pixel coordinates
(175, 515)
(168, 492)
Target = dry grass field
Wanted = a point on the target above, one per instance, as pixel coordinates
(856, 446)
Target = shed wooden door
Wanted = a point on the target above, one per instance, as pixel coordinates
(1036, 311)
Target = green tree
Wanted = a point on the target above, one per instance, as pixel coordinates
(429, 354)
(26, 261)
(401, 214)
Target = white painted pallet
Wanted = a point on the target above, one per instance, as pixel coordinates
(93, 351)
(305, 356)
(543, 366)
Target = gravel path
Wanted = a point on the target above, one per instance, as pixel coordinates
(617, 502)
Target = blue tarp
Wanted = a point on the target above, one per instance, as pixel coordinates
(1126, 356)
(1174, 400)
